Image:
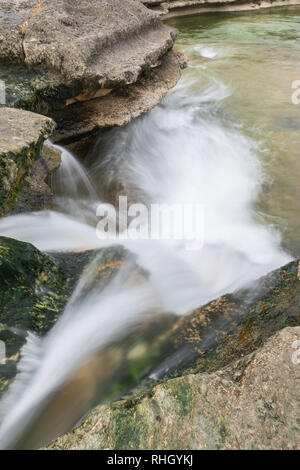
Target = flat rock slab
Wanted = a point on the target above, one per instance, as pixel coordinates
(22, 134)
(93, 44)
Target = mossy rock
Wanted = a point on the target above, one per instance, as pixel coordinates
(36, 89)
(33, 291)
(35, 194)
(22, 134)
(33, 288)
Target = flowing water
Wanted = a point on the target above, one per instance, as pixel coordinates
(226, 137)
(256, 56)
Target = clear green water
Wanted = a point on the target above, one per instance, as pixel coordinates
(256, 55)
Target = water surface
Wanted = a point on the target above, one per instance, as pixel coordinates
(257, 56)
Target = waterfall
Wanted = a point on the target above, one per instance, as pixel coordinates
(181, 152)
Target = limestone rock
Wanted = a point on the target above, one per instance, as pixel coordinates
(36, 193)
(22, 134)
(214, 348)
(54, 53)
(233, 325)
(106, 42)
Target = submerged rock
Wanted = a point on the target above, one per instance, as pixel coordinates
(251, 404)
(22, 134)
(118, 365)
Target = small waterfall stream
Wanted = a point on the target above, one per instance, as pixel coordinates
(186, 150)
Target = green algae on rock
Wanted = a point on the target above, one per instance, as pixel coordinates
(60, 53)
(35, 287)
(35, 89)
(33, 292)
(22, 134)
(116, 367)
(223, 345)
(98, 43)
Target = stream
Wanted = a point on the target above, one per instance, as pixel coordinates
(226, 137)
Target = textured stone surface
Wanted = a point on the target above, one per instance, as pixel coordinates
(110, 42)
(252, 404)
(121, 105)
(35, 287)
(36, 194)
(92, 44)
(22, 134)
(33, 291)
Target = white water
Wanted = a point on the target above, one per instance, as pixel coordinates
(181, 152)
(197, 158)
(49, 362)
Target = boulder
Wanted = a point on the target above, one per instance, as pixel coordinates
(22, 134)
(35, 193)
(97, 43)
(59, 53)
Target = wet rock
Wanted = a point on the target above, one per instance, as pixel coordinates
(35, 193)
(33, 292)
(35, 287)
(217, 345)
(260, 410)
(233, 325)
(115, 368)
(22, 135)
